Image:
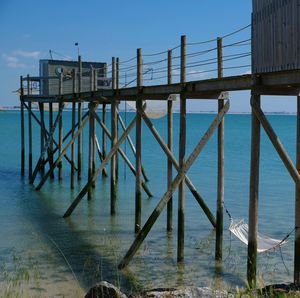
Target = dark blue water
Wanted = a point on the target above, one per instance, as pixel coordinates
(36, 239)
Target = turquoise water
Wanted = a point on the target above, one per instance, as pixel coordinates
(35, 239)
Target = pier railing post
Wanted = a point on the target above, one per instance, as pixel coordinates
(181, 160)
(220, 190)
(22, 129)
(29, 131)
(297, 204)
(114, 119)
(79, 148)
(253, 196)
(138, 146)
(170, 146)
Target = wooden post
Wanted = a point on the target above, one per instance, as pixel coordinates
(22, 129)
(29, 131)
(170, 146)
(117, 123)
(253, 197)
(60, 128)
(104, 136)
(297, 205)
(181, 160)
(73, 129)
(50, 155)
(79, 148)
(42, 135)
(91, 144)
(138, 146)
(114, 119)
(220, 191)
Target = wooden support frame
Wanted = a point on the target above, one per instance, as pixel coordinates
(29, 131)
(22, 123)
(99, 170)
(41, 161)
(63, 153)
(164, 200)
(175, 163)
(79, 141)
(47, 133)
(123, 155)
(131, 145)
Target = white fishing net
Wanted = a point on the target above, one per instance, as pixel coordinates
(156, 109)
(264, 243)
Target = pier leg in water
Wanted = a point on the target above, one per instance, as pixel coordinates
(220, 191)
(297, 204)
(22, 135)
(253, 197)
(104, 136)
(113, 182)
(50, 155)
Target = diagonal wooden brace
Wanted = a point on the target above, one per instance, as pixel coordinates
(172, 158)
(131, 145)
(276, 143)
(63, 153)
(122, 153)
(166, 197)
(47, 133)
(99, 170)
(100, 154)
(48, 141)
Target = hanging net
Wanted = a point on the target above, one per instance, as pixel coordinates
(264, 243)
(156, 109)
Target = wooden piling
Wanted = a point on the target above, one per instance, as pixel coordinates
(42, 135)
(60, 128)
(181, 160)
(22, 129)
(117, 109)
(138, 146)
(91, 169)
(170, 146)
(114, 119)
(220, 190)
(50, 152)
(297, 204)
(253, 197)
(104, 137)
(29, 132)
(73, 128)
(79, 143)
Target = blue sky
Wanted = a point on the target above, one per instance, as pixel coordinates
(29, 29)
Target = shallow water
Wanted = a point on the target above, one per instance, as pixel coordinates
(41, 249)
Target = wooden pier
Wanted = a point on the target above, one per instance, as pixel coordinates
(52, 152)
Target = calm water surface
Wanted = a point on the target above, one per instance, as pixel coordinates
(40, 248)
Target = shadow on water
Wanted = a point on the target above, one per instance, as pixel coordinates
(64, 236)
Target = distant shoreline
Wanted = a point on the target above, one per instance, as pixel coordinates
(282, 113)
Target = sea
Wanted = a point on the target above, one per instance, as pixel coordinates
(44, 255)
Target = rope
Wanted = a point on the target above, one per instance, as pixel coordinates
(237, 31)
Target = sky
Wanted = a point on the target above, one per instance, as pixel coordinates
(29, 29)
